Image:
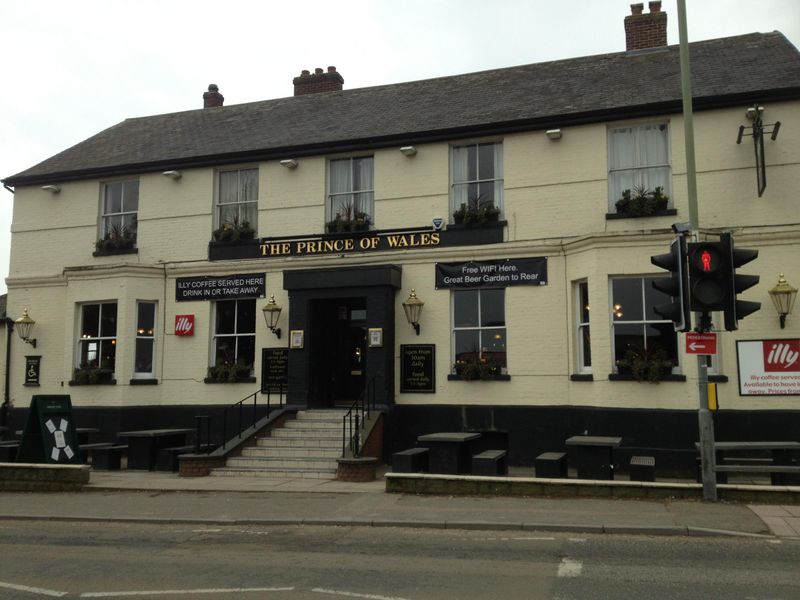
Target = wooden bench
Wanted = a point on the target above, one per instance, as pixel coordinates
(490, 463)
(642, 468)
(552, 465)
(777, 472)
(8, 450)
(413, 460)
(108, 458)
(748, 457)
(167, 458)
(88, 450)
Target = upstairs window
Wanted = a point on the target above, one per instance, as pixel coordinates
(351, 196)
(119, 215)
(477, 181)
(237, 205)
(638, 160)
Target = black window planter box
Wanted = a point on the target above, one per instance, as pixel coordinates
(240, 380)
(233, 250)
(107, 382)
(659, 213)
(500, 223)
(453, 377)
(630, 377)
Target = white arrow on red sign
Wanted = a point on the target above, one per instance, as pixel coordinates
(701, 343)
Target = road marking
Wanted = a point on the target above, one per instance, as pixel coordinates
(536, 539)
(356, 595)
(32, 590)
(569, 567)
(206, 530)
(168, 592)
(577, 540)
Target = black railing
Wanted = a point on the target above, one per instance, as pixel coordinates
(355, 420)
(243, 416)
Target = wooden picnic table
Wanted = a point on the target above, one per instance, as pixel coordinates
(144, 444)
(594, 455)
(783, 470)
(449, 452)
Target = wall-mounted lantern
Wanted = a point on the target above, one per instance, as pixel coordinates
(24, 326)
(413, 308)
(272, 313)
(783, 296)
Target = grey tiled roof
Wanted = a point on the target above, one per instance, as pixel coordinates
(754, 67)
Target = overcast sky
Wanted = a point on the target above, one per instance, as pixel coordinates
(73, 68)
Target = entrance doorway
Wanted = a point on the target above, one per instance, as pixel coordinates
(339, 350)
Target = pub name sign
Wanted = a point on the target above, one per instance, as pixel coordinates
(395, 241)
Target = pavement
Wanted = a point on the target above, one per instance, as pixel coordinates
(155, 497)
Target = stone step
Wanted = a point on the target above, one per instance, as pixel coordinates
(291, 452)
(274, 473)
(323, 415)
(299, 442)
(313, 424)
(287, 464)
(319, 434)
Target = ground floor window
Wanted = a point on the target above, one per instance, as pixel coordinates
(145, 340)
(479, 333)
(234, 341)
(97, 343)
(584, 347)
(645, 345)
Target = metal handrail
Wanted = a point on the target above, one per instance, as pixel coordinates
(243, 425)
(356, 417)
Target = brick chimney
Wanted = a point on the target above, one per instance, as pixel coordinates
(318, 82)
(212, 97)
(645, 31)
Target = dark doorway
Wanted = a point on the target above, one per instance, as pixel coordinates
(338, 350)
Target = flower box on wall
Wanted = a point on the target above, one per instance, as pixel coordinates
(641, 202)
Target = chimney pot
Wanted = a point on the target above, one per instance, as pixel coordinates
(212, 98)
(319, 81)
(645, 31)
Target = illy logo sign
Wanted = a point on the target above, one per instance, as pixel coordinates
(184, 324)
(782, 355)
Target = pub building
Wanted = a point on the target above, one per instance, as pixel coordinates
(474, 248)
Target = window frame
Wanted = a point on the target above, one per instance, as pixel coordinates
(100, 339)
(215, 336)
(480, 328)
(644, 322)
(637, 168)
(140, 334)
(330, 214)
(498, 181)
(218, 204)
(582, 339)
(105, 217)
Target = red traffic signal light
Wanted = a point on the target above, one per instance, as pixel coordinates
(708, 276)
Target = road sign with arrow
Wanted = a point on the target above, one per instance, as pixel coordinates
(701, 343)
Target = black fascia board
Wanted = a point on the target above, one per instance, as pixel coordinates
(419, 137)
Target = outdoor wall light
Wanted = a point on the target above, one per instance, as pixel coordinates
(53, 189)
(289, 163)
(783, 296)
(413, 308)
(172, 174)
(24, 326)
(553, 134)
(272, 313)
(408, 150)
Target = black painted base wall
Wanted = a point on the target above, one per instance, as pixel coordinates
(526, 431)
(669, 435)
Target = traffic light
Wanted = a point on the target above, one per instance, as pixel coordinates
(676, 285)
(709, 276)
(737, 309)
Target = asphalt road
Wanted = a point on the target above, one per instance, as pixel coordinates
(113, 560)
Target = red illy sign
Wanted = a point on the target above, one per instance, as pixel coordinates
(184, 324)
(781, 355)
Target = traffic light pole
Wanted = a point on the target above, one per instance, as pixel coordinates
(704, 416)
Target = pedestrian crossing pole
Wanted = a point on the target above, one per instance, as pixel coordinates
(704, 416)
